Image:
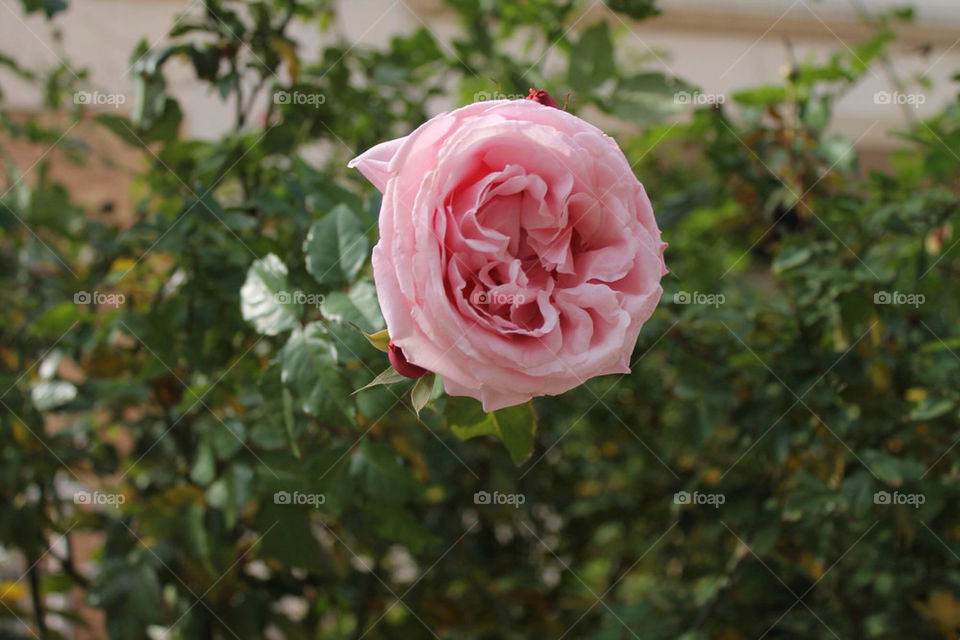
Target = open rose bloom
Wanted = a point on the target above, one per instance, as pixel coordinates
(518, 254)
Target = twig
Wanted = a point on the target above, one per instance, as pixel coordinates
(38, 609)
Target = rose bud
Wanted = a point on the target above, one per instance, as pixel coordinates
(542, 97)
(402, 366)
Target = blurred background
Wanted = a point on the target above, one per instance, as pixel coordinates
(184, 253)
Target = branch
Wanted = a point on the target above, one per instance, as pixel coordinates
(38, 609)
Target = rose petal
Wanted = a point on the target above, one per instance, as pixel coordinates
(374, 163)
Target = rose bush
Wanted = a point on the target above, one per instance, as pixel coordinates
(518, 253)
(815, 404)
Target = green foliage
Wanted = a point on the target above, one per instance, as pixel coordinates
(591, 61)
(265, 299)
(197, 369)
(336, 248)
(636, 9)
(511, 425)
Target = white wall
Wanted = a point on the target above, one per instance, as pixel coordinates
(99, 34)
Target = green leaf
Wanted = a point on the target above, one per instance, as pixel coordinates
(462, 412)
(336, 247)
(359, 305)
(121, 127)
(276, 427)
(287, 534)
(328, 472)
(398, 525)
(265, 298)
(12, 65)
(761, 96)
(931, 407)
(636, 9)
(707, 587)
(289, 424)
(380, 340)
(892, 470)
(49, 7)
(227, 437)
(197, 535)
(790, 258)
(57, 319)
(484, 427)
(381, 473)
(839, 152)
(230, 491)
(388, 376)
(130, 593)
(514, 426)
(310, 371)
(319, 191)
(765, 538)
(204, 468)
(865, 53)
(422, 390)
(645, 97)
(858, 490)
(205, 59)
(591, 61)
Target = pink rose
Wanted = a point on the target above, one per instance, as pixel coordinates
(518, 253)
